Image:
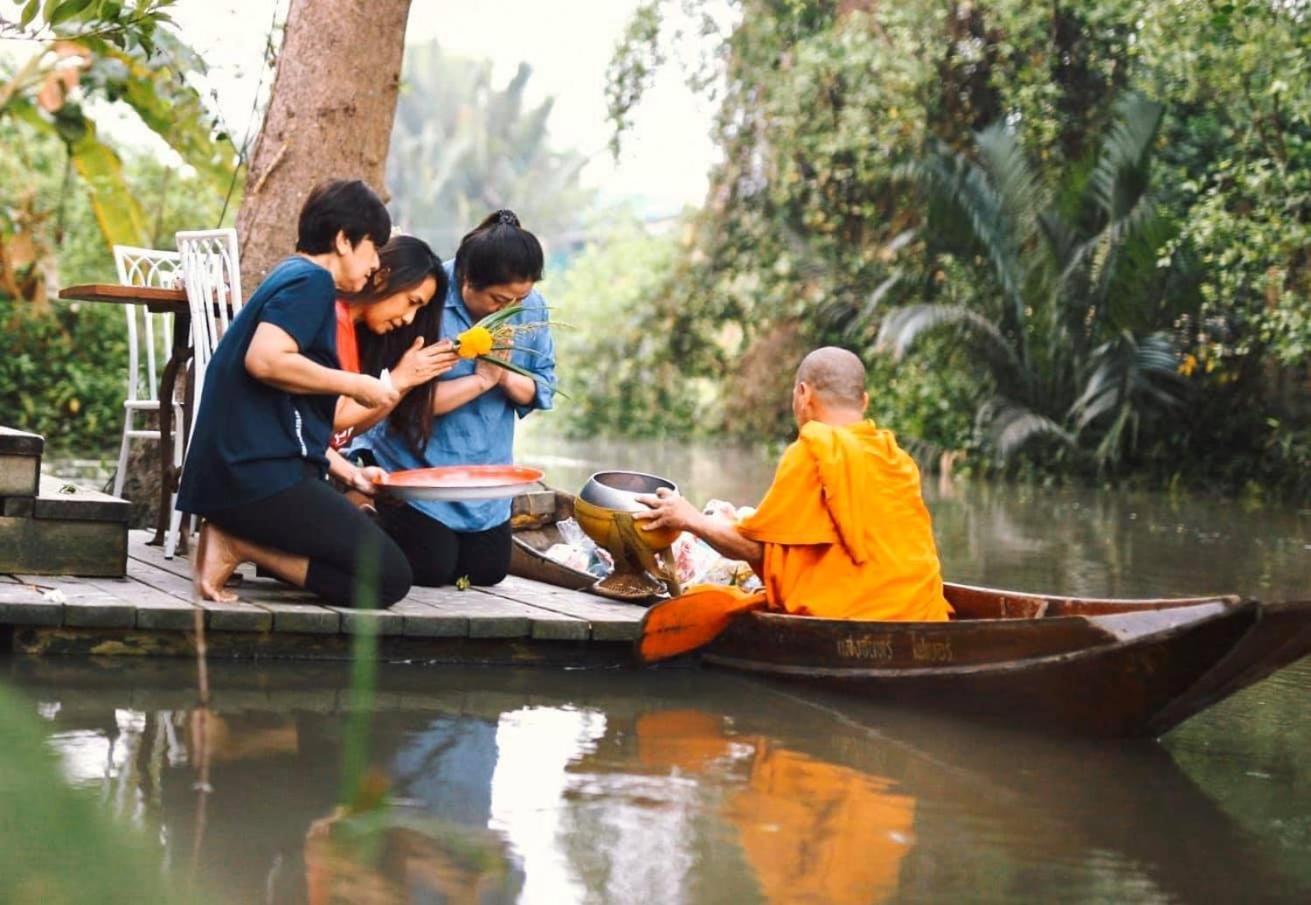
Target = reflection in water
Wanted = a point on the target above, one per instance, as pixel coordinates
(672, 786)
(393, 853)
(812, 831)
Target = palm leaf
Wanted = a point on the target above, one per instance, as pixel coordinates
(1133, 379)
(115, 207)
(904, 326)
(1000, 196)
(1008, 426)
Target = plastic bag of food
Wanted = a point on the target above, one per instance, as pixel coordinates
(569, 555)
(572, 533)
(692, 558)
(596, 560)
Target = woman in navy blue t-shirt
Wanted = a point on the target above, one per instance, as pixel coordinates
(258, 457)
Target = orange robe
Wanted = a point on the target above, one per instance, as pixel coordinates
(845, 530)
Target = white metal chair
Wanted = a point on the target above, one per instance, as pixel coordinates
(149, 339)
(211, 274)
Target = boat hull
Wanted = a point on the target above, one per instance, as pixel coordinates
(1085, 666)
(1126, 681)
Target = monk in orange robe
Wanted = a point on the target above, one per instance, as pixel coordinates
(843, 532)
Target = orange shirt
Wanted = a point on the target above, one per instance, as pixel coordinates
(348, 359)
(845, 530)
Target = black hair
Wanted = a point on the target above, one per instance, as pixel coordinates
(341, 205)
(498, 251)
(404, 263)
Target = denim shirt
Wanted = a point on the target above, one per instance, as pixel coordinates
(480, 432)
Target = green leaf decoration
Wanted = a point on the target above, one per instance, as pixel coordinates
(509, 366)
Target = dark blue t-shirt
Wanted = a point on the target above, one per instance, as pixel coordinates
(253, 440)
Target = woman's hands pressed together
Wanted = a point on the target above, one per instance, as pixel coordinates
(489, 374)
(422, 363)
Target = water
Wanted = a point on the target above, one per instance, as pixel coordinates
(687, 786)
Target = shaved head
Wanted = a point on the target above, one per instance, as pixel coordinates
(836, 376)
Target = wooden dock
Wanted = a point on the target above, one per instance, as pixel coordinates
(152, 612)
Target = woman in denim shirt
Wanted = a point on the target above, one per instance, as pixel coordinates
(475, 407)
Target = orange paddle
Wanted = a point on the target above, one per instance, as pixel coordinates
(685, 623)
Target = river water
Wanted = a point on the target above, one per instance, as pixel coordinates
(689, 786)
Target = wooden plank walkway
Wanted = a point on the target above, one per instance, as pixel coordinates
(151, 611)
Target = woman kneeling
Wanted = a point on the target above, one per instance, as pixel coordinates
(256, 464)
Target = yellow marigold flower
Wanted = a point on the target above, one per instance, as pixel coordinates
(1188, 365)
(474, 342)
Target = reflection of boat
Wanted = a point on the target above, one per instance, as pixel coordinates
(1082, 665)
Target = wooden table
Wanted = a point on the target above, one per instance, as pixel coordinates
(163, 301)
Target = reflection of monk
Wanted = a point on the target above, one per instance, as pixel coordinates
(813, 832)
(843, 532)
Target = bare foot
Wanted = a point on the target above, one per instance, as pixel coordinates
(217, 558)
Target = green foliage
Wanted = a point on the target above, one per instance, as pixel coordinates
(63, 375)
(462, 148)
(635, 62)
(103, 50)
(63, 370)
(619, 299)
(66, 196)
(1074, 343)
(812, 229)
(126, 25)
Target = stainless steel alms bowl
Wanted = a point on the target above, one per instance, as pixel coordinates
(620, 489)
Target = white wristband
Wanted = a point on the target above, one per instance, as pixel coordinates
(385, 377)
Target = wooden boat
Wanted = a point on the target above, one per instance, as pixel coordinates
(1100, 667)
(533, 518)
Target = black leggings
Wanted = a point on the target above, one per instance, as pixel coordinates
(440, 556)
(311, 519)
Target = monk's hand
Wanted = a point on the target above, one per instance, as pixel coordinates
(668, 510)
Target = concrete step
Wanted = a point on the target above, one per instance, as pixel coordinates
(20, 462)
(64, 530)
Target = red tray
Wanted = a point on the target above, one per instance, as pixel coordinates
(460, 482)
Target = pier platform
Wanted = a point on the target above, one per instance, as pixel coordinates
(152, 611)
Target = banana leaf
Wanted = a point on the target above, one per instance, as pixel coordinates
(116, 210)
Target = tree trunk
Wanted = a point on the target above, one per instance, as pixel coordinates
(329, 117)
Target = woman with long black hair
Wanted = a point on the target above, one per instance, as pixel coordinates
(392, 326)
(474, 409)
